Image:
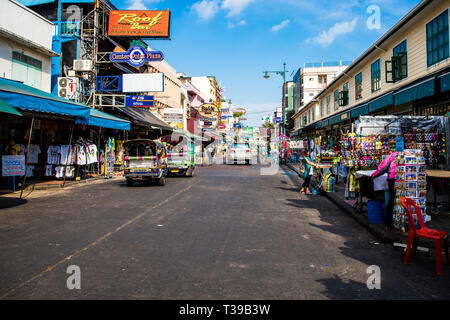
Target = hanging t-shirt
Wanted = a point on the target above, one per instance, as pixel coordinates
(66, 155)
(59, 171)
(92, 154)
(53, 154)
(49, 171)
(23, 149)
(35, 150)
(81, 156)
(30, 171)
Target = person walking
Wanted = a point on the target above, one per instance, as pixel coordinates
(308, 165)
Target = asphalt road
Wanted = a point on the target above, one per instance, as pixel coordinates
(228, 233)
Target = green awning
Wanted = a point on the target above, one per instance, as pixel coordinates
(381, 102)
(415, 92)
(6, 108)
(339, 118)
(445, 82)
(359, 111)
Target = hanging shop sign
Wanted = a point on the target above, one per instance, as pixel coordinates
(278, 120)
(208, 110)
(139, 101)
(141, 23)
(173, 115)
(240, 110)
(222, 126)
(136, 56)
(13, 166)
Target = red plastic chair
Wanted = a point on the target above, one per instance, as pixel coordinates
(415, 234)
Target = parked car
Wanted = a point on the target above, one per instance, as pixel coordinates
(181, 156)
(239, 152)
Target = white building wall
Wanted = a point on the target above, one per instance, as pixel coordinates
(24, 22)
(204, 85)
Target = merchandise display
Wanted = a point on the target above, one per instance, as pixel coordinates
(410, 182)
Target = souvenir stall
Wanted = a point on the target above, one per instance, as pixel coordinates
(420, 146)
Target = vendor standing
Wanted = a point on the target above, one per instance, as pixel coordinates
(388, 166)
(307, 164)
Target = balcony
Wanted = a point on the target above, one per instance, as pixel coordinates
(67, 29)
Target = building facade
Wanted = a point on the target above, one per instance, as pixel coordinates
(25, 45)
(404, 72)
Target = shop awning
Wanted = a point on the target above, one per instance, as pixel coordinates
(415, 92)
(359, 111)
(19, 95)
(445, 82)
(339, 118)
(6, 108)
(103, 120)
(381, 102)
(145, 118)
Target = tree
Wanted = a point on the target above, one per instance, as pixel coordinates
(268, 124)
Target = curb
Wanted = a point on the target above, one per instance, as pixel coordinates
(376, 229)
(67, 184)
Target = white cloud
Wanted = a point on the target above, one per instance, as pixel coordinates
(280, 26)
(235, 7)
(232, 25)
(206, 9)
(140, 4)
(327, 37)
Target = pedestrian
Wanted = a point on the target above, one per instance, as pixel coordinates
(307, 174)
(388, 166)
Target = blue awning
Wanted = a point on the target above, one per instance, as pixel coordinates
(415, 92)
(359, 111)
(445, 82)
(29, 3)
(25, 97)
(104, 120)
(381, 102)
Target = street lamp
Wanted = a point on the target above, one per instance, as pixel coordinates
(283, 74)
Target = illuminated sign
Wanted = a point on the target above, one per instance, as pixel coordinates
(142, 23)
(208, 110)
(136, 56)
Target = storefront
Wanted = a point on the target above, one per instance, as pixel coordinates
(59, 139)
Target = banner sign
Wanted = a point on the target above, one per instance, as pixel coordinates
(278, 120)
(139, 101)
(136, 56)
(173, 115)
(13, 166)
(141, 23)
(208, 110)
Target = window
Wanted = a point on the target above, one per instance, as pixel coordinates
(397, 67)
(313, 112)
(323, 79)
(437, 39)
(328, 104)
(376, 75)
(358, 86)
(311, 94)
(336, 99)
(343, 96)
(26, 69)
(321, 108)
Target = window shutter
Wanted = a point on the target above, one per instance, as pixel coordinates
(390, 77)
(403, 65)
(341, 98)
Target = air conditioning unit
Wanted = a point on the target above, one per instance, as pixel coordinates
(68, 87)
(83, 65)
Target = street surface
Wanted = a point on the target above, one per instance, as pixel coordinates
(227, 233)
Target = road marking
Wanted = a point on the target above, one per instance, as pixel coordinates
(94, 243)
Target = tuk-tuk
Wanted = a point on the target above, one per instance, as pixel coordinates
(181, 156)
(145, 160)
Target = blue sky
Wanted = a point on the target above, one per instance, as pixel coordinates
(236, 40)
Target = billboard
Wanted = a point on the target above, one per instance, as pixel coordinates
(172, 115)
(140, 23)
(143, 82)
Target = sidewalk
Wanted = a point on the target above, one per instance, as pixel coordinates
(439, 222)
(54, 185)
